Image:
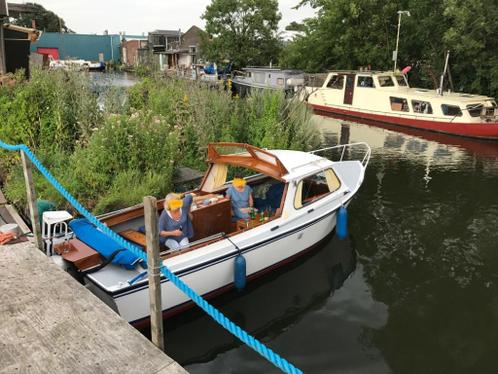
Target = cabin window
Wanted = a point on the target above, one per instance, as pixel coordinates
(259, 77)
(337, 82)
(280, 81)
(421, 107)
(451, 110)
(401, 81)
(386, 81)
(315, 187)
(248, 74)
(474, 110)
(365, 82)
(399, 104)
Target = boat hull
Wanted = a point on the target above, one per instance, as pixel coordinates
(472, 130)
(216, 276)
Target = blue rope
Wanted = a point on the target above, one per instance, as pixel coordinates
(219, 317)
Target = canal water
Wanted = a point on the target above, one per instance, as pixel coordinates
(413, 290)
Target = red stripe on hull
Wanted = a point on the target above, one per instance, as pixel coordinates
(473, 130)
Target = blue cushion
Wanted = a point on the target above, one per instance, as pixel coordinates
(93, 237)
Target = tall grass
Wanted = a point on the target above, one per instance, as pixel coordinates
(111, 158)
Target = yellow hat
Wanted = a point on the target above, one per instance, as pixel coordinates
(239, 182)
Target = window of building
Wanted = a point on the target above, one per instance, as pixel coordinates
(337, 82)
(451, 110)
(315, 187)
(365, 82)
(399, 104)
(401, 81)
(386, 81)
(475, 109)
(280, 81)
(421, 107)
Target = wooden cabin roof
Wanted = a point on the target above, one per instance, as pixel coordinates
(247, 156)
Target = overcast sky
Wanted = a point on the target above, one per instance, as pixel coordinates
(135, 17)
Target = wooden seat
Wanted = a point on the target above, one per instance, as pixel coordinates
(134, 236)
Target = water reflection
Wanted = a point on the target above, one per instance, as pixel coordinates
(425, 222)
(302, 311)
(111, 89)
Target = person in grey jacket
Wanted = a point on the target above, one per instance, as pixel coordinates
(175, 224)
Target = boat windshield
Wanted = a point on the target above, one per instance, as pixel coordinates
(401, 81)
(386, 81)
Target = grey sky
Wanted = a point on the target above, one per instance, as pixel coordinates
(135, 17)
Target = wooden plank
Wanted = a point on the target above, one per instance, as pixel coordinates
(135, 237)
(16, 218)
(3, 200)
(154, 272)
(31, 196)
(3, 66)
(68, 329)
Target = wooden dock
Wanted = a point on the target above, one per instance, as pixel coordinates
(49, 323)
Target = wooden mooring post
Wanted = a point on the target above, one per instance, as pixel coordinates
(4, 13)
(154, 272)
(31, 196)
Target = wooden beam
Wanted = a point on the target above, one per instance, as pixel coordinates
(153, 268)
(17, 219)
(31, 196)
(3, 200)
(3, 63)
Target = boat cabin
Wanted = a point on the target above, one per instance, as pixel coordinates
(267, 78)
(389, 93)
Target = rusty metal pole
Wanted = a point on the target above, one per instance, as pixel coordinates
(153, 268)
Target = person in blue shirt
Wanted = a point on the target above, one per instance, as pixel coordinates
(240, 195)
(175, 224)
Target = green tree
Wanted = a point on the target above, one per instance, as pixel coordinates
(46, 20)
(243, 31)
(347, 34)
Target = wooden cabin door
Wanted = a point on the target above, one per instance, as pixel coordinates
(348, 93)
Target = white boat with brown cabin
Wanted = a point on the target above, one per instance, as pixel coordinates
(297, 194)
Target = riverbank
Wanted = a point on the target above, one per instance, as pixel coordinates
(110, 158)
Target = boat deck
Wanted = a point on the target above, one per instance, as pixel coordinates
(52, 324)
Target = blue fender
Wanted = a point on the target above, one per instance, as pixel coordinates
(239, 272)
(341, 229)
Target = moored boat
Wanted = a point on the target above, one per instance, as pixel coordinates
(386, 97)
(297, 195)
(271, 78)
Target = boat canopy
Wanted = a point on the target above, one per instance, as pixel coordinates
(247, 156)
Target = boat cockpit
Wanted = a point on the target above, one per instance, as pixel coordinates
(211, 210)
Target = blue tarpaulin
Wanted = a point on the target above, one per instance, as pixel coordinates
(93, 237)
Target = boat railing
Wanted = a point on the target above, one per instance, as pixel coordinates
(364, 157)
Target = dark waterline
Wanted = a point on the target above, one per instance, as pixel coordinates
(412, 291)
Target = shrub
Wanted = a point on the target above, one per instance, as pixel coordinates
(110, 158)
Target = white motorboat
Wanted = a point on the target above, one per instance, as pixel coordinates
(386, 98)
(298, 195)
